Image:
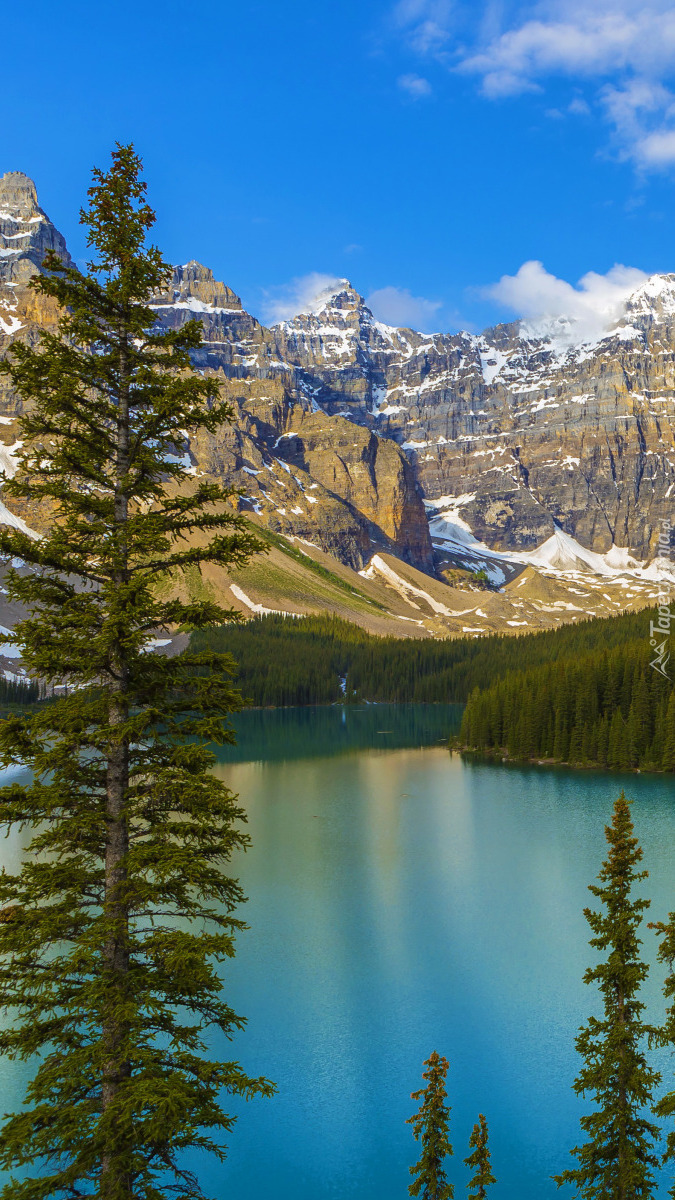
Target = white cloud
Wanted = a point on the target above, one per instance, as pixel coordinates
(304, 294)
(625, 47)
(642, 114)
(414, 85)
(571, 314)
(397, 306)
(425, 23)
(593, 41)
(657, 149)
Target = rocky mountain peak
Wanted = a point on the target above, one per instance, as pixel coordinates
(193, 287)
(18, 193)
(654, 298)
(338, 304)
(340, 299)
(26, 233)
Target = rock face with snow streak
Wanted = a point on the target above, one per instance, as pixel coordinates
(345, 425)
(537, 430)
(332, 483)
(26, 234)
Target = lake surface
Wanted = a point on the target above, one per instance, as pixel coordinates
(403, 901)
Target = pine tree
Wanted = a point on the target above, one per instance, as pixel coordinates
(668, 756)
(114, 927)
(616, 1162)
(666, 1036)
(430, 1127)
(603, 742)
(479, 1161)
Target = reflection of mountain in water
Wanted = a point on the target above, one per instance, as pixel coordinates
(287, 733)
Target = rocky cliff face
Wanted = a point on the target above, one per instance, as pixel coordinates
(346, 429)
(307, 474)
(26, 234)
(531, 430)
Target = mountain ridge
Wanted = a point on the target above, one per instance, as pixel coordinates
(411, 457)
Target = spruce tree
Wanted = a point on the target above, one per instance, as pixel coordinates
(617, 1160)
(479, 1161)
(668, 754)
(114, 928)
(666, 1036)
(430, 1127)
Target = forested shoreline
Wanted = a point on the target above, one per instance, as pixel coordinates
(282, 661)
(583, 695)
(607, 709)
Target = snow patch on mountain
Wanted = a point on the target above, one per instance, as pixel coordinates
(8, 518)
(560, 554)
(377, 566)
(259, 609)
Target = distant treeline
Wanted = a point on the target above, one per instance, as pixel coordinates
(321, 660)
(16, 693)
(606, 708)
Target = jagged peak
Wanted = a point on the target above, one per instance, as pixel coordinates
(26, 233)
(193, 286)
(656, 294)
(337, 299)
(17, 188)
(340, 295)
(18, 197)
(194, 270)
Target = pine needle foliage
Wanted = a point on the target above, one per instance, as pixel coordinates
(430, 1127)
(113, 930)
(478, 1161)
(617, 1160)
(665, 1107)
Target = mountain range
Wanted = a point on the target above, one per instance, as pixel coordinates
(419, 484)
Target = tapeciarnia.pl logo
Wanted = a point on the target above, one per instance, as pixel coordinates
(659, 630)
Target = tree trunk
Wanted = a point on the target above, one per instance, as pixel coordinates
(621, 1190)
(116, 1181)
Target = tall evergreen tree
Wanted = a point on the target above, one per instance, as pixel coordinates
(617, 1160)
(114, 927)
(666, 1105)
(430, 1127)
(668, 754)
(479, 1161)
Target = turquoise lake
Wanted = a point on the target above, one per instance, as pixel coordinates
(401, 901)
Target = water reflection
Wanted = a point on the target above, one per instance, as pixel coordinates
(277, 734)
(401, 901)
(408, 901)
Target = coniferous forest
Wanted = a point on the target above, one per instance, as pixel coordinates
(324, 660)
(604, 708)
(16, 693)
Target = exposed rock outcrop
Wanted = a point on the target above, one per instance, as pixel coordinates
(347, 428)
(537, 430)
(308, 473)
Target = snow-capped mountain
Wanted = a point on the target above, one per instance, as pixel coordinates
(518, 452)
(540, 430)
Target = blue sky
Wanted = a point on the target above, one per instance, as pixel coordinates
(425, 149)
